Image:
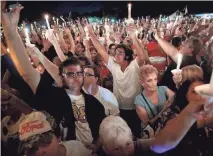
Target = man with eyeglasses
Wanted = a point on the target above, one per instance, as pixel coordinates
(72, 104)
(69, 103)
(107, 98)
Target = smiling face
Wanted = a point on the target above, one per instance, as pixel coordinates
(119, 55)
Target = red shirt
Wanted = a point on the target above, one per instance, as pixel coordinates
(104, 72)
(154, 49)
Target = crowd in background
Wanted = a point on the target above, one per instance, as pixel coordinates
(106, 89)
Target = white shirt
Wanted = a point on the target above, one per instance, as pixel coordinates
(76, 148)
(126, 85)
(82, 130)
(107, 99)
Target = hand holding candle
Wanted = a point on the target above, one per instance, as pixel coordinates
(48, 24)
(27, 36)
(179, 60)
(86, 31)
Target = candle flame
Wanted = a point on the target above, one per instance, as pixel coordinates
(26, 30)
(46, 16)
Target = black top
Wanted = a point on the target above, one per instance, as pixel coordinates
(55, 101)
(51, 53)
(167, 77)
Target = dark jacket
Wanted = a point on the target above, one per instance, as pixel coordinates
(55, 101)
(167, 77)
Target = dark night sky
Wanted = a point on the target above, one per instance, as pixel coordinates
(34, 9)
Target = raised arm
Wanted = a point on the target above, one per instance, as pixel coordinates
(100, 48)
(72, 42)
(62, 42)
(52, 38)
(18, 52)
(142, 55)
(49, 66)
(81, 29)
(168, 48)
(176, 129)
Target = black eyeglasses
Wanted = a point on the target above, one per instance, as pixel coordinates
(88, 74)
(73, 74)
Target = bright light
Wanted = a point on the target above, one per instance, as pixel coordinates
(26, 30)
(129, 5)
(86, 30)
(46, 16)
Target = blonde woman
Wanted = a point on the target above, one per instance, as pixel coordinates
(153, 99)
(190, 72)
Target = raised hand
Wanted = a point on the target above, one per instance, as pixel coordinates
(50, 36)
(10, 19)
(89, 29)
(156, 35)
(78, 21)
(131, 30)
(67, 30)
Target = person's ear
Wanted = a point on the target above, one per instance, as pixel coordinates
(142, 82)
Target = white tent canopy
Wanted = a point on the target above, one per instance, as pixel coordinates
(175, 14)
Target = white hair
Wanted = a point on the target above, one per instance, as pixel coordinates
(113, 129)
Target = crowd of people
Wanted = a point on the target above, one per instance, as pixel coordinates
(112, 89)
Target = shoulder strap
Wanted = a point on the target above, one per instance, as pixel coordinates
(153, 114)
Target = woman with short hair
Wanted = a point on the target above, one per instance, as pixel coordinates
(153, 98)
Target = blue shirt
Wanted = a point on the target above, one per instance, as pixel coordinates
(156, 109)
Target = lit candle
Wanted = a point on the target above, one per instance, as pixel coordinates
(138, 22)
(48, 24)
(136, 32)
(57, 21)
(179, 60)
(86, 31)
(54, 20)
(27, 36)
(129, 10)
(31, 27)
